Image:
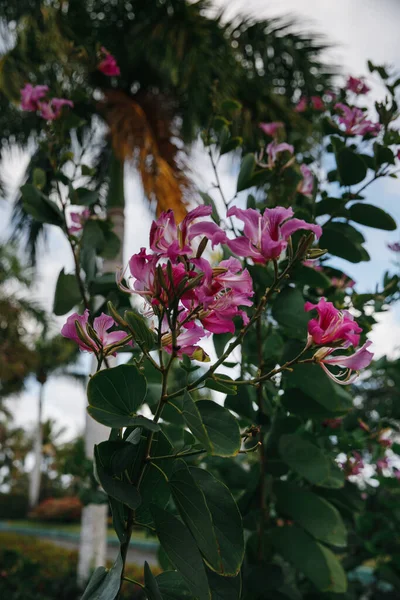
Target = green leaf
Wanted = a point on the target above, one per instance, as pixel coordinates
(336, 240)
(67, 294)
(314, 560)
(85, 197)
(208, 201)
(193, 509)
(39, 178)
(304, 457)
(226, 519)
(182, 551)
(312, 513)
(311, 277)
(224, 588)
(119, 516)
(246, 172)
(351, 167)
(288, 310)
(227, 386)
(104, 584)
(172, 586)
(151, 585)
(92, 235)
(213, 425)
(242, 402)
(371, 216)
(115, 395)
(112, 245)
(383, 155)
(116, 488)
(141, 333)
(40, 207)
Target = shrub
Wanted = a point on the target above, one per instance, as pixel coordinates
(32, 569)
(65, 510)
(13, 506)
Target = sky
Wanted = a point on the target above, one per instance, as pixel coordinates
(359, 29)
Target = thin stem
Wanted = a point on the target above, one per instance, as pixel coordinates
(178, 455)
(133, 581)
(262, 457)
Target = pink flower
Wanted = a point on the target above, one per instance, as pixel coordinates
(385, 443)
(101, 325)
(306, 186)
(353, 465)
(317, 103)
(333, 327)
(52, 110)
(394, 247)
(302, 105)
(382, 463)
(333, 423)
(274, 149)
(266, 236)
(30, 96)
(108, 65)
(271, 129)
(396, 473)
(171, 240)
(358, 86)
(355, 122)
(355, 362)
(78, 219)
(343, 282)
(186, 342)
(398, 154)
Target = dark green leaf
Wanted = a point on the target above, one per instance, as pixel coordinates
(246, 172)
(225, 384)
(314, 560)
(182, 551)
(288, 310)
(118, 511)
(226, 519)
(103, 584)
(116, 488)
(40, 207)
(172, 586)
(221, 426)
(67, 294)
(372, 216)
(304, 457)
(39, 178)
(312, 513)
(224, 588)
(141, 333)
(85, 197)
(151, 585)
(351, 167)
(337, 241)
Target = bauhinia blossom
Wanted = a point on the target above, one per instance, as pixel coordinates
(274, 150)
(108, 65)
(351, 364)
(358, 86)
(306, 185)
(271, 129)
(333, 423)
(31, 95)
(333, 327)
(103, 342)
(395, 247)
(78, 220)
(353, 465)
(301, 106)
(53, 109)
(171, 240)
(266, 235)
(316, 103)
(355, 121)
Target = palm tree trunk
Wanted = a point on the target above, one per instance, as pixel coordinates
(34, 482)
(93, 539)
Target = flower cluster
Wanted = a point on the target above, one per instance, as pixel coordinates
(108, 64)
(329, 331)
(33, 99)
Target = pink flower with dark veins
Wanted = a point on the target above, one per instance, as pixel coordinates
(30, 96)
(382, 463)
(108, 65)
(333, 327)
(306, 185)
(266, 235)
(351, 364)
(355, 122)
(353, 465)
(171, 240)
(101, 326)
(271, 129)
(356, 85)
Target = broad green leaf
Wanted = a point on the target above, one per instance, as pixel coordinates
(112, 245)
(116, 488)
(116, 394)
(67, 294)
(371, 216)
(242, 402)
(311, 277)
(154, 487)
(119, 516)
(172, 586)
(224, 588)
(92, 235)
(312, 513)
(351, 167)
(195, 513)
(213, 425)
(225, 384)
(39, 178)
(304, 457)
(182, 551)
(226, 519)
(336, 478)
(151, 585)
(288, 310)
(104, 584)
(246, 172)
(298, 403)
(339, 244)
(208, 201)
(40, 207)
(85, 196)
(313, 559)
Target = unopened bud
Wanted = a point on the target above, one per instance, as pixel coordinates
(202, 247)
(200, 355)
(82, 335)
(316, 253)
(115, 314)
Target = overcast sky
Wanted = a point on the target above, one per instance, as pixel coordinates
(361, 29)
